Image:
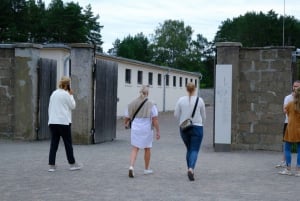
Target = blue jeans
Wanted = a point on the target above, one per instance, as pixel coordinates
(288, 154)
(192, 140)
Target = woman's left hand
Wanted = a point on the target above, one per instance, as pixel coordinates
(157, 135)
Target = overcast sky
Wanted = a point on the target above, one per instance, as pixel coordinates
(121, 18)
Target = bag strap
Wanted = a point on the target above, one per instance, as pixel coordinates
(141, 105)
(195, 107)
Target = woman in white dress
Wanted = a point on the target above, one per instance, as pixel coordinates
(141, 128)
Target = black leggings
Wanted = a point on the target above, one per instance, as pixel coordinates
(63, 131)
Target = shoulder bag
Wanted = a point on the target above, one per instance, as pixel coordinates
(188, 123)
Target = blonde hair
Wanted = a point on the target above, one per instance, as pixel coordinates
(190, 87)
(297, 99)
(64, 81)
(144, 91)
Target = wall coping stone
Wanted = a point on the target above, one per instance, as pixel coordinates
(269, 47)
(228, 44)
(28, 45)
(80, 45)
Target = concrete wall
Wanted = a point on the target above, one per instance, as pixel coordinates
(261, 79)
(82, 83)
(7, 95)
(19, 117)
(25, 105)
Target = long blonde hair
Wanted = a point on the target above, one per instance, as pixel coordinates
(297, 99)
(190, 87)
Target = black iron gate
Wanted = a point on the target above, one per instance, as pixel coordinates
(46, 85)
(106, 77)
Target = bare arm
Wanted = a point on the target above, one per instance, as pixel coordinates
(126, 122)
(156, 126)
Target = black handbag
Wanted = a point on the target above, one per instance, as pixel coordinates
(130, 120)
(188, 123)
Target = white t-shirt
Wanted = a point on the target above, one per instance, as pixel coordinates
(184, 109)
(287, 99)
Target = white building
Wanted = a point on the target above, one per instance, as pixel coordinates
(166, 84)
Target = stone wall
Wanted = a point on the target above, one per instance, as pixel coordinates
(7, 63)
(261, 79)
(208, 96)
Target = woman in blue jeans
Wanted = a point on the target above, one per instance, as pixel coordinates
(192, 138)
(292, 134)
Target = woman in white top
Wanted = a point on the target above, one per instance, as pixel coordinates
(192, 138)
(141, 128)
(60, 118)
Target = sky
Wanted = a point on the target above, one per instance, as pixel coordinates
(121, 18)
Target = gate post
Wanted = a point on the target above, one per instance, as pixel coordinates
(25, 90)
(82, 63)
(228, 53)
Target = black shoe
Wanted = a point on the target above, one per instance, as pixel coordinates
(191, 176)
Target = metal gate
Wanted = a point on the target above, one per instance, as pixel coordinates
(106, 78)
(46, 85)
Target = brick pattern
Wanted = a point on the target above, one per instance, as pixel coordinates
(261, 79)
(264, 80)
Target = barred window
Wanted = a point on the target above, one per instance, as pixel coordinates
(128, 76)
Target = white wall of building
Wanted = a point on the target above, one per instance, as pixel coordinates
(165, 96)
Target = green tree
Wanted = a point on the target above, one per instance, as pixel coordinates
(35, 22)
(133, 48)
(65, 22)
(28, 21)
(6, 19)
(203, 55)
(12, 20)
(259, 29)
(171, 43)
(171, 46)
(93, 28)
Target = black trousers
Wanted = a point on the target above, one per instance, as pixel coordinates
(63, 131)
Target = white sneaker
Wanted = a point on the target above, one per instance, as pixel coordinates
(297, 174)
(74, 167)
(285, 172)
(131, 172)
(282, 164)
(148, 171)
(52, 168)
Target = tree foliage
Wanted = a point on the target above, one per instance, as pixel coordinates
(135, 47)
(171, 43)
(171, 46)
(28, 21)
(259, 30)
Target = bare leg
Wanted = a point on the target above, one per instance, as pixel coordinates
(147, 156)
(133, 155)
